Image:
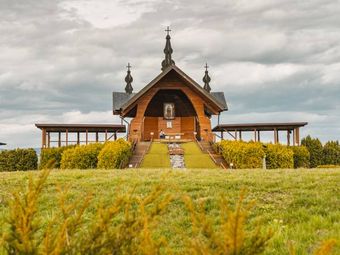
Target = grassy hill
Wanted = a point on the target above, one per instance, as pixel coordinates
(300, 206)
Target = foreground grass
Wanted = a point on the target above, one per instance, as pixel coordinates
(301, 206)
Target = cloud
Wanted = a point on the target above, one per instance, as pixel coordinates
(275, 60)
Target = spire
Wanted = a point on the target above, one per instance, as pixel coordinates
(129, 80)
(206, 79)
(167, 51)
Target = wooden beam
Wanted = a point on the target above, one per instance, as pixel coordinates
(258, 136)
(240, 135)
(78, 138)
(235, 135)
(115, 136)
(255, 136)
(97, 137)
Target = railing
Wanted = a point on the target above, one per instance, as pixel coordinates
(143, 155)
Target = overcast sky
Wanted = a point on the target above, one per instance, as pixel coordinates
(274, 60)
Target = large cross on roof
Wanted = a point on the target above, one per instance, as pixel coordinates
(167, 30)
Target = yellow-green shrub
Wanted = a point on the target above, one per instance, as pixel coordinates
(81, 157)
(301, 156)
(242, 154)
(18, 160)
(50, 157)
(279, 156)
(114, 154)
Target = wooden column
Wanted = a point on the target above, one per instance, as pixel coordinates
(115, 136)
(78, 138)
(275, 136)
(43, 138)
(255, 137)
(66, 133)
(105, 135)
(48, 140)
(87, 137)
(298, 136)
(235, 135)
(288, 137)
(258, 136)
(294, 135)
(240, 135)
(222, 135)
(59, 139)
(97, 137)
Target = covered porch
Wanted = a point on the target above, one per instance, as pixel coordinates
(59, 134)
(235, 131)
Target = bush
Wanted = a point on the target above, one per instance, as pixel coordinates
(114, 154)
(18, 160)
(279, 156)
(331, 153)
(81, 157)
(301, 156)
(242, 154)
(315, 149)
(50, 157)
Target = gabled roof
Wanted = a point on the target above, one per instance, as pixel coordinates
(215, 97)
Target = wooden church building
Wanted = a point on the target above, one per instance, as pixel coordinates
(172, 104)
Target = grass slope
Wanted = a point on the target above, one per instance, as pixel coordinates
(157, 157)
(301, 206)
(195, 158)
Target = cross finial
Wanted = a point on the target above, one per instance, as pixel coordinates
(128, 66)
(206, 66)
(167, 30)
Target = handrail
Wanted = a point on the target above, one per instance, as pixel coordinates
(143, 155)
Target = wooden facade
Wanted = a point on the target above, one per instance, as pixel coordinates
(193, 109)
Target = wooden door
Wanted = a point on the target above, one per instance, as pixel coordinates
(150, 126)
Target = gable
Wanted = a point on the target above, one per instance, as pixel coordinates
(215, 100)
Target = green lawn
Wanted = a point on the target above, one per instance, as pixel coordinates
(300, 206)
(157, 157)
(195, 158)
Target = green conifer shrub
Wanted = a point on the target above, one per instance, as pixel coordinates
(315, 149)
(331, 153)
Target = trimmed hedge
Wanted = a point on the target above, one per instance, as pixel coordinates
(242, 154)
(81, 157)
(279, 156)
(114, 154)
(50, 157)
(301, 156)
(18, 160)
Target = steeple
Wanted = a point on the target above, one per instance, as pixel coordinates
(128, 80)
(167, 51)
(206, 79)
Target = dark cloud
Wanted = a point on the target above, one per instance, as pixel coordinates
(275, 60)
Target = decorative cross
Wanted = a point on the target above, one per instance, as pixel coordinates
(167, 30)
(128, 66)
(206, 66)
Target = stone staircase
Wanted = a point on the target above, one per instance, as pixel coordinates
(217, 158)
(138, 154)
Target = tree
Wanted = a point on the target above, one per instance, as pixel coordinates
(315, 149)
(331, 153)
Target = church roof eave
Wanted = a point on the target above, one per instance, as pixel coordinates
(135, 97)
